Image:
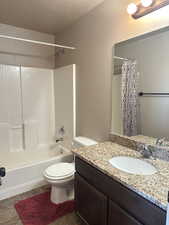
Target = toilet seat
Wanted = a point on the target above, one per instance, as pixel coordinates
(60, 171)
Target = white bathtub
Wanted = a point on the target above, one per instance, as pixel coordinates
(25, 169)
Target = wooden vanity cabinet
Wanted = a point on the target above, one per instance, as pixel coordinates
(91, 204)
(118, 216)
(101, 200)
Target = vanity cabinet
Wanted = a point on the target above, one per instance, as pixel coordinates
(119, 216)
(101, 200)
(91, 204)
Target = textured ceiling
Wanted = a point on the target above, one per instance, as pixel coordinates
(49, 16)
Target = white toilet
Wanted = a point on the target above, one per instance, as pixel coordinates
(61, 175)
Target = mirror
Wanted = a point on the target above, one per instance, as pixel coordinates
(140, 88)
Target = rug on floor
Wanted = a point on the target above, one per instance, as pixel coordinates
(39, 210)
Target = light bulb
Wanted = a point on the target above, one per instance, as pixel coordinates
(132, 8)
(146, 3)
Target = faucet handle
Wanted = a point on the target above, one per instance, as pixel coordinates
(145, 151)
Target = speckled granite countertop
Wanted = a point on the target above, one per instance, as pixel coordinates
(144, 139)
(152, 187)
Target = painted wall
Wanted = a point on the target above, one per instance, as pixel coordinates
(26, 54)
(94, 36)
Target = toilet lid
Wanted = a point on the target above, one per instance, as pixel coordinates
(60, 170)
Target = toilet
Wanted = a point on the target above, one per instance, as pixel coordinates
(61, 175)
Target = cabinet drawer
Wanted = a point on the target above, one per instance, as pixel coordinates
(138, 207)
(118, 216)
(90, 204)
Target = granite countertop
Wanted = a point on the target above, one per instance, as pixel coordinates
(144, 139)
(152, 187)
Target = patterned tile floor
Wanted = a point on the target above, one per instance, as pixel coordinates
(9, 216)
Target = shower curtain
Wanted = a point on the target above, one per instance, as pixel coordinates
(129, 97)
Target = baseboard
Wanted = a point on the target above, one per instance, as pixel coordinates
(19, 189)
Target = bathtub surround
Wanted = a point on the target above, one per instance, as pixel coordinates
(31, 134)
(10, 109)
(38, 107)
(65, 101)
(31, 99)
(26, 118)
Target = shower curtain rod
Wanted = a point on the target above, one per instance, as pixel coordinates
(36, 42)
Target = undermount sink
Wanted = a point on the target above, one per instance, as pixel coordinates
(132, 165)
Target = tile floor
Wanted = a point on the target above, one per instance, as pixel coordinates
(9, 216)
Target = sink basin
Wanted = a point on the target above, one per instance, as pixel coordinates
(132, 165)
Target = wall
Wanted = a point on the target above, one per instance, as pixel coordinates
(152, 54)
(94, 36)
(26, 54)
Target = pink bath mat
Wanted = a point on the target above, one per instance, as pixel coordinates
(39, 210)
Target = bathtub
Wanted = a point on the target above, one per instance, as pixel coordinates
(24, 170)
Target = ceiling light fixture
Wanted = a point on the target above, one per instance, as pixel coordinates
(132, 8)
(146, 3)
(145, 7)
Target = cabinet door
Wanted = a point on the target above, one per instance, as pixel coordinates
(117, 216)
(91, 205)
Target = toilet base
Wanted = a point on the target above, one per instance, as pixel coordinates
(60, 194)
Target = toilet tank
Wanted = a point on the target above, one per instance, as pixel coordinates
(83, 141)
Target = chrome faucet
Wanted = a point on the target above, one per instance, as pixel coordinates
(160, 141)
(148, 151)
